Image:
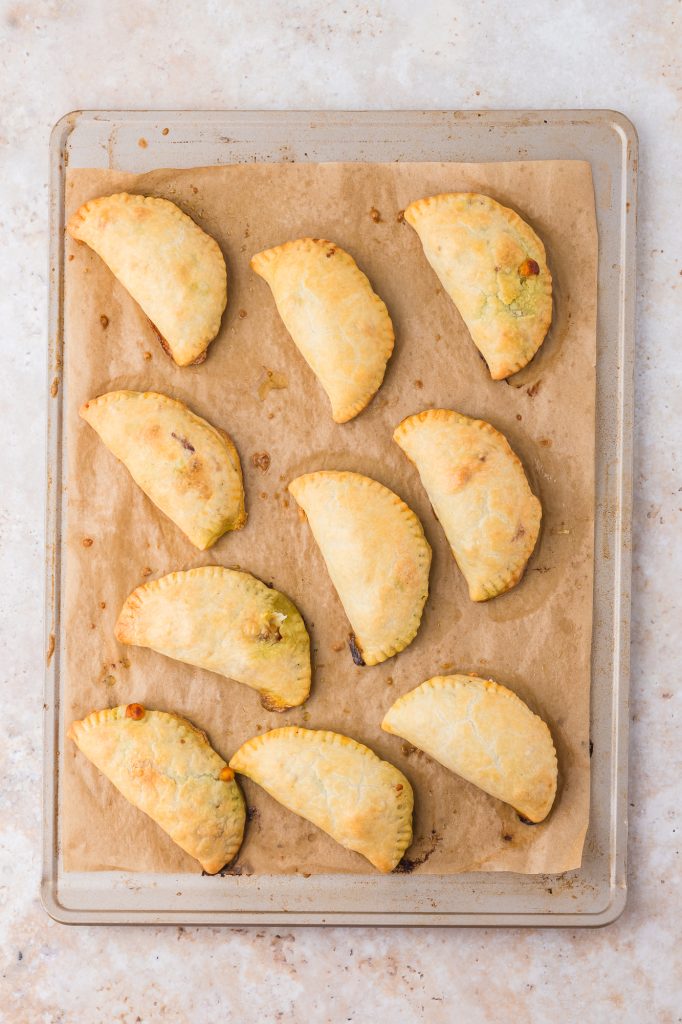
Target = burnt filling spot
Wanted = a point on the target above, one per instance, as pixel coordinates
(526, 821)
(355, 652)
(184, 442)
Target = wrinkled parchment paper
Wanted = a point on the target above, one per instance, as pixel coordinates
(535, 639)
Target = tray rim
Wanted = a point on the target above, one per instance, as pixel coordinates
(622, 561)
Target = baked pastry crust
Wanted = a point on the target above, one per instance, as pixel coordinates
(166, 767)
(376, 554)
(493, 266)
(485, 733)
(189, 469)
(340, 325)
(341, 786)
(479, 492)
(173, 269)
(228, 622)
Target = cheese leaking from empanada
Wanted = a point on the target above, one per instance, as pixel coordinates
(376, 554)
(485, 733)
(228, 622)
(341, 786)
(167, 768)
(493, 267)
(341, 327)
(173, 269)
(480, 494)
(189, 469)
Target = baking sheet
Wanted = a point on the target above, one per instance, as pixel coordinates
(535, 639)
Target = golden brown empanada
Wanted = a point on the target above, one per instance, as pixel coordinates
(485, 733)
(165, 766)
(189, 469)
(376, 554)
(340, 325)
(227, 622)
(341, 786)
(173, 269)
(493, 266)
(480, 494)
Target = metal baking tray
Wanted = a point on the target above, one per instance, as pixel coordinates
(593, 895)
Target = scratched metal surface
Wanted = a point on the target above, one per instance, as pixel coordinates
(594, 895)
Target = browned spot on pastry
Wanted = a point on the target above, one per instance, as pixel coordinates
(71, 257)
(135, 711)
(142, 143)
(226, 774)
(242, 314)
(54, 387)
(399, 788)
(375, 215)
(520, 532)
(401, 216)
(270, 705)
(261, 460)
(545, 442)
(533, 389)
(50, 649)
(104, 320)
(87, 542)
(355, 652)
(330, 251)
(419, 384)
(164, 131)
(529, 268)
(103, 604)
(146, 571)
(184, 442)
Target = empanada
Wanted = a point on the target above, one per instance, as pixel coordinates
(340, 325)
(189, 469)
(485, 733)
(165, 766)
(341, 786)
(376, 554)
(480, 494)
(493, 266)
(227, 622)
(173, 269)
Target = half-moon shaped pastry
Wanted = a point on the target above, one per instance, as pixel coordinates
(480, 494)
(173, 269)
(189, 469)
(228, 622)
(376, 554)
(166, 767)
(485, 733)
(493, 267)
(341, 327)
(341, 786)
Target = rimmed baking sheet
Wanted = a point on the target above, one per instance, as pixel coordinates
(595, 892)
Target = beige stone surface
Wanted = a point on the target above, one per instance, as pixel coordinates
(59, 56)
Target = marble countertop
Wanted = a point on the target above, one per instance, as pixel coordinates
(57, 56)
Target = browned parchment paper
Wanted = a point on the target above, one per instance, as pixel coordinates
(535, 639)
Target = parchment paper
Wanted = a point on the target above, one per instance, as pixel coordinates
(535, 639)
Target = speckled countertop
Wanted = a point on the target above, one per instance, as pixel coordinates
(59, 56)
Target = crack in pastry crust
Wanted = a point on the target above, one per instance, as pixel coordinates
(493, 266)
(480, 494)
(228, 622)
(339, 324)
(376, 554)
(173, 269)
(486, 734)
(196, 481)
(166, 767)
(339, 785)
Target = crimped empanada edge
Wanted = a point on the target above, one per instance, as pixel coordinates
(498, 584)
(242, 762)
(376, 656)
